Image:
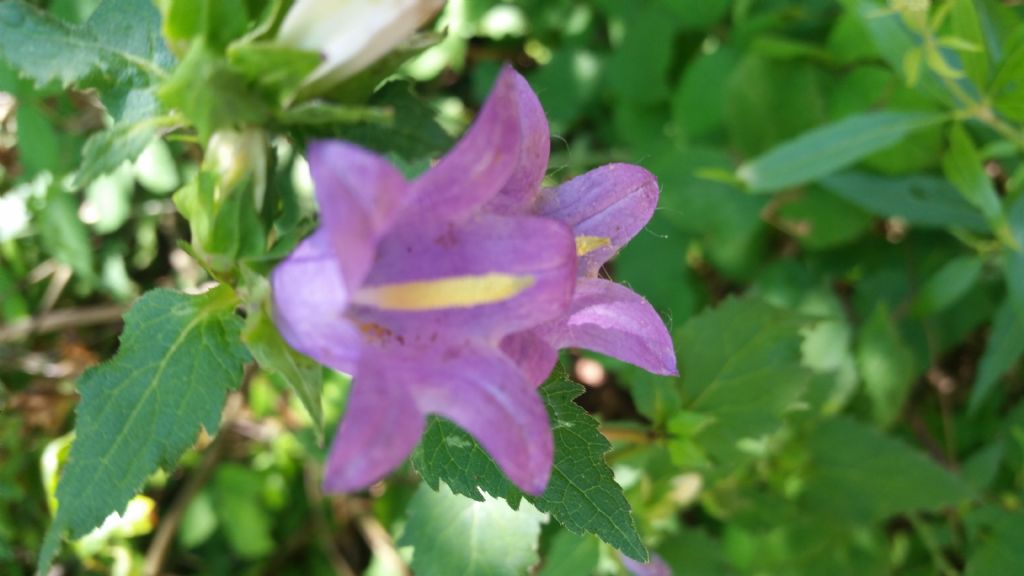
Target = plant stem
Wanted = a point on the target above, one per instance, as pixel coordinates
(942, 564)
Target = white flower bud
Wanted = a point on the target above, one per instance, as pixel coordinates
(236, 155)
(352, 34)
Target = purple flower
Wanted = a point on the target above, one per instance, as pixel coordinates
(450, 294)
(655, 567)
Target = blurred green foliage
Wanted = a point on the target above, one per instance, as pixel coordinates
(839, 250)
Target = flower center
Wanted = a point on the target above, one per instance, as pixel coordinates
(451, 292)
(587, 244)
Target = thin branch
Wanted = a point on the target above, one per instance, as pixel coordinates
(156, 555)
(59, 320)
(380, 542)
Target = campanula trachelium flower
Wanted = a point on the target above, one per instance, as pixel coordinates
(450, 294)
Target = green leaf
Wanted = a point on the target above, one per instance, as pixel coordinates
(273, 354)
(238, 494)
(582, 493)
(1007, 81)
(859, 474)
(280, 69)
(571, 555)
(696, 102)
(106, 150)
(893, 40)
(920, 200)
(451, 534)
(965, 170)
(821, 221)
(996, 549)
(741, 366)
(967, 30)
(213, 95)
(654, 264)
(768, 101)
(140, 411)
(697, 15)
(830, 148)
(64, 235)
(886, 364)
(39, 144)
(199, 521)
(947, 285)
(121, 37)
(1004, 347)
(413, 135)
(982, 466)
(639, 67)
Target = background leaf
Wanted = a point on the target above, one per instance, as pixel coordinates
(452, 534)
(829, 149)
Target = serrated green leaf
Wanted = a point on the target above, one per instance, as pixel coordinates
(965, 170)
(830, 148)
(272, 353)
(179, 357)
(451, 534)
(859, 474)
(886, 365)
(114, 39)
(740, 365)
(582, 493)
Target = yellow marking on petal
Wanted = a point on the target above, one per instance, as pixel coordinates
(451, 292)
(587, 244)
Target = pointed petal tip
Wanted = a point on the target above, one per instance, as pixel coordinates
(536, 487)
(339, 483)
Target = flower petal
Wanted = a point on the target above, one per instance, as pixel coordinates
(656, 566)
(523, 186)
(360, 196)
(351, 35)
(482, 391)
(614, 201)
(535, 257)
(611, 319)
(381, 426)
(479, 165)
(310, 297)
(532, 354)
